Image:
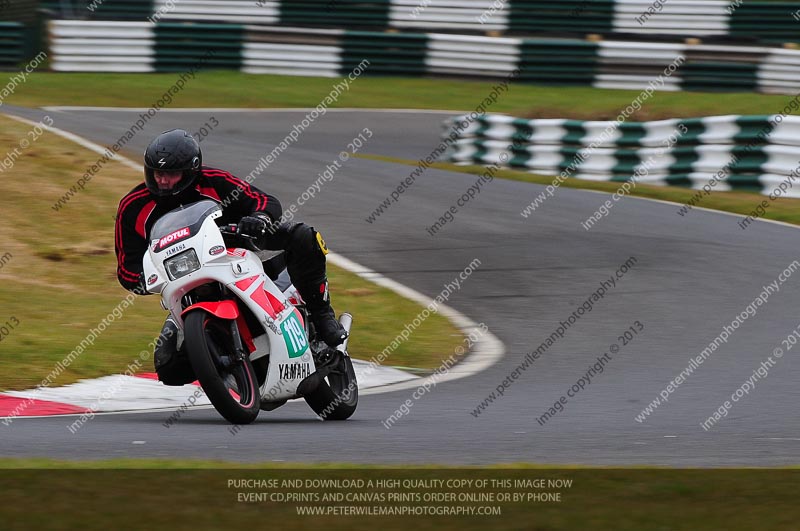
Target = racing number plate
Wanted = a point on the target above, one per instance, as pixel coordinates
(295, 336)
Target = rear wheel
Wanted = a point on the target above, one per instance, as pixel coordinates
(336, 398)
(231, 385)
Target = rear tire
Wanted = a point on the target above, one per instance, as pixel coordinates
(208, 339)
(336, 398)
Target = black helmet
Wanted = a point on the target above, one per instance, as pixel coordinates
(173, 150)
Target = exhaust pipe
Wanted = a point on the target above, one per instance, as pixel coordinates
(346, 320)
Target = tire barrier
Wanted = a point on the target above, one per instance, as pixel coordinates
(99, 46)
(754, 153)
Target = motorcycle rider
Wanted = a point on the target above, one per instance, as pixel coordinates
(173, 176)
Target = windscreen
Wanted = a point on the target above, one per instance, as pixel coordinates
(189, 216)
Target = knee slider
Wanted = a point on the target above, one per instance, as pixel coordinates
(305, 240)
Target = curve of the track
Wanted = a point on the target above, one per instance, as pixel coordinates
(694, 274)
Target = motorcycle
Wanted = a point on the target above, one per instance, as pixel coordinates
(251, 345)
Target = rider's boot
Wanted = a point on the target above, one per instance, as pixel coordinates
(171, 364)
(319, 307)
(305, 259)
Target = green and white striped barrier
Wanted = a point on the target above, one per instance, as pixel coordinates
(747, 152)
(12, 44)
(739, 19)
(169, 46)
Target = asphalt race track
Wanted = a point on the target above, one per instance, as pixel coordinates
(692, 276)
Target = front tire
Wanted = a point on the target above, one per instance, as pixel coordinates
(336, 398)
(208, 346)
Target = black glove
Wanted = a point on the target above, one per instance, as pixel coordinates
(141, 289)
(255, 226)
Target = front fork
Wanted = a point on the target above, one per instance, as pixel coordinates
(227, 363)
(238, 346)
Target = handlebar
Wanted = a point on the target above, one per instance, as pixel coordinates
(233, 230)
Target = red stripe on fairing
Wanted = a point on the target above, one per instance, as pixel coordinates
(141, 219)
(12, 406)
(246, 283)
(276, 304)
(259, 296)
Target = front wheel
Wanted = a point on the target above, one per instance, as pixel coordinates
(336, 398)
(231, 385)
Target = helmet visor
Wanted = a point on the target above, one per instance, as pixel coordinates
(167, 182)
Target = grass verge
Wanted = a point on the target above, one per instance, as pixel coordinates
(58, 275)
(782, 209)
(235, 89)
(211, 495)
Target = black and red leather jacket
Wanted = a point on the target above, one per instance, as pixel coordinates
(139, 210)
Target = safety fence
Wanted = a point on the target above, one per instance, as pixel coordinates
(753, 153)
(774, 22)
(22, 11)
(12, 44)
(167, 46)
(103, 9)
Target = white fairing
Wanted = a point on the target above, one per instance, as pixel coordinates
(242, 273)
